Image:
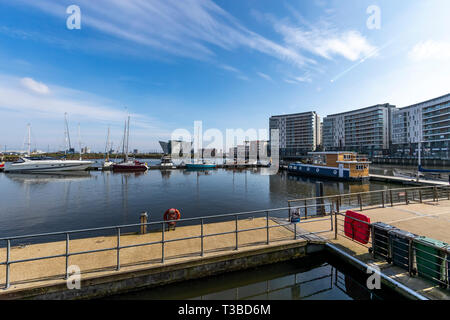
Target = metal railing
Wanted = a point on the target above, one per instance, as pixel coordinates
(200, 221)
(379, 198)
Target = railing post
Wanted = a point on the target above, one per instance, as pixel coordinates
(335, 226)
(382, 199)
(67, 256)
(162, 243)
(434, 194)
(8, 258)
(392, 201)
(289, 210)
(337, 204)
(295, 231)
(406, 197)
(118, 249)
(267, 228)
(306, 211)
(202, 252)
(236, 232)
(331, 217)
(420, 195)
(360, 201)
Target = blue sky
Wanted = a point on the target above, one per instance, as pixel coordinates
(228, 63)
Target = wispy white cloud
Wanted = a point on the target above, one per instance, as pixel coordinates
(188, 28)
(35, 86)
(238, 73)
(230, 68)
(300, 79)
(264, 76)
(327, 43)
(430, 50)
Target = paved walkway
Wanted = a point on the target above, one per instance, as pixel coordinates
(51, 271)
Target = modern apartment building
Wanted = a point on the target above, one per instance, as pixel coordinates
(427, 122)
(299, 132)
(366, 130)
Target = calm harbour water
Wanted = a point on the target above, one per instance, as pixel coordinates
(39, 203)
(317, 277)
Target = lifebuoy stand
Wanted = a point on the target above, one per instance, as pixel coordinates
(171, 215)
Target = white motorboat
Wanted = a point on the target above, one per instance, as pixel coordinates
(166, 163)
(46, 164)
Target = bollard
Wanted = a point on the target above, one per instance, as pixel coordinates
(144, 219)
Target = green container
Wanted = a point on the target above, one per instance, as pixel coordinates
(431, 259)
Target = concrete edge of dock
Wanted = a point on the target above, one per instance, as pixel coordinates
(143, 278)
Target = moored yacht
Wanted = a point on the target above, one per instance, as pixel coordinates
(128, 165)
(166, 163)
(46, 164)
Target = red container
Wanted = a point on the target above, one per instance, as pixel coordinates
(357, 230)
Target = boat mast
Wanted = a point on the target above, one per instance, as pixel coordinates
(66, 133)
(123, 143)
(128, 138)
(107, 146)
(29, 139)
(79, 139)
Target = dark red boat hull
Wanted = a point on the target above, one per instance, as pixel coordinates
(130, 168)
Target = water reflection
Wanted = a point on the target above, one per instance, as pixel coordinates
(317, 277)
(40, 178)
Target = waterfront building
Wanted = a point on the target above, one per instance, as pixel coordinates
(299, 132)
(427, 122)
(177, 147)
(366, 130)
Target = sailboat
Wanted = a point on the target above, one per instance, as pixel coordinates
(128, 165)
(31, 163)
(107, 164)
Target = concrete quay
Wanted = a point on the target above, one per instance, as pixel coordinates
(142, 266)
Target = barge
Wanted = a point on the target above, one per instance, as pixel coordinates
(342, 165)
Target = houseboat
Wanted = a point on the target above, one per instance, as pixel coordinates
(338, 165)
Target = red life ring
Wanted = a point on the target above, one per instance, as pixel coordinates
(171, 215)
